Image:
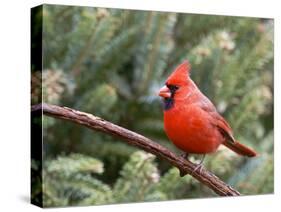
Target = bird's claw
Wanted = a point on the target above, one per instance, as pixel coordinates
(184, 155)
(199, 167)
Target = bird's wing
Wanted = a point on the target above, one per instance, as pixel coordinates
(223, 127)
(218, 121)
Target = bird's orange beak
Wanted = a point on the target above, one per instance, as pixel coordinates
(164, 92)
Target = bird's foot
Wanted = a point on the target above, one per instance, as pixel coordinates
(184, 155)
(199, 166)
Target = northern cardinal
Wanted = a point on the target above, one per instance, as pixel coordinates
(191, 121)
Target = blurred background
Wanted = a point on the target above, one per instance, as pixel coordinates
(111, 63)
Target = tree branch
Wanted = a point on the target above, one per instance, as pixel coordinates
(132, 138)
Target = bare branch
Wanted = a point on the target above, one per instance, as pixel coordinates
(132, 138)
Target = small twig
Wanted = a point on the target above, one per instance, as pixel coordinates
(132, 138)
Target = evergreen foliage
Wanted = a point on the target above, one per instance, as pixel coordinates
(111, 62)
(70, 180)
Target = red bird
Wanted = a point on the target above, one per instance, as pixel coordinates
(191, 121)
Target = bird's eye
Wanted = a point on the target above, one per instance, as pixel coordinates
(173, 87)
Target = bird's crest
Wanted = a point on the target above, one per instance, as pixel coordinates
(180, 74)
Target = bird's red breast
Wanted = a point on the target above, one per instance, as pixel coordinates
(190, 119)
(188, 129)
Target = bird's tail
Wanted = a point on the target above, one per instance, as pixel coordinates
(240, 149)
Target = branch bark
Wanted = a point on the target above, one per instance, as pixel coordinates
(95, 123)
